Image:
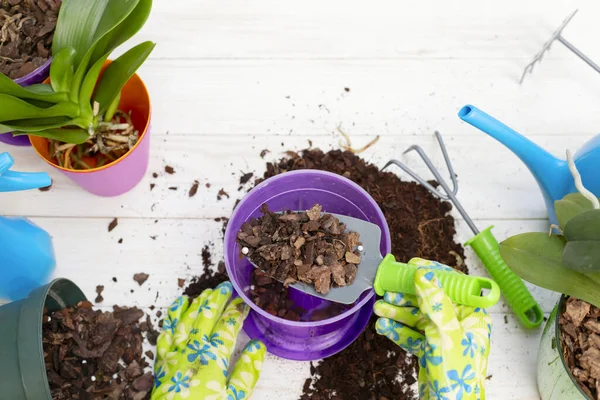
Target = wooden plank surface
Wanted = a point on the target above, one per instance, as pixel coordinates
(231, 78)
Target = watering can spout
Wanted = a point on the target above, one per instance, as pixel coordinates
(12, 181)
(549, 171)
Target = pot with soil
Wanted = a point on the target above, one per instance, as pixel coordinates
(21, 353)
(25, 45)
(569, 354)
(114, 171)
(303, 327)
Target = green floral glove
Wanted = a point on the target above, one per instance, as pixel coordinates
(452, 342)
(195, 347)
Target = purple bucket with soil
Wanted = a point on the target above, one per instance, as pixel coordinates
(39, 75)
(304, 340)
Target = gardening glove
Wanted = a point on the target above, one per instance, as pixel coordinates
(451, 341)
(195, 346)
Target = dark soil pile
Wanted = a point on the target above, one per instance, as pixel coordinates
(27, 29)
(307, 246)
(208, 280)
(373, 367)
(95, 355)
(580, 339)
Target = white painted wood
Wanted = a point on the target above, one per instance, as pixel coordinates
(233, 77)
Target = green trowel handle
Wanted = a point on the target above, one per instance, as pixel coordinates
(463, 289)
(515, 292)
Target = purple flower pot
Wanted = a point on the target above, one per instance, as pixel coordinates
(37, 76)
(300, 190)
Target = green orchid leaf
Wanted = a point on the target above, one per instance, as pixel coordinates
(89, 83)
(112, 109)
(119, 72)
(81, 24)
(582, 256)
(125, 30)
(62, 69)
(569, 206)
(583, 226)
(17, 109)
(34, 92)
(67, 135)
(5, 129)
(537, 258)
(26, 126)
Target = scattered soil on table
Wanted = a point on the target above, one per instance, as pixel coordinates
(222, 193)
(309, 246)
(580, 340)
(206, 257)
(194, 189)
(154, 175)
(113, 224)
(90, 354)
(169, 170)
(373, 367)
(208, 280)
(152, 186)
(347, 89)
(263, 153)
(173, 188)
(141, 278)
(181, 282)
(246, 177)
(99, 290)
(120, 241)
(26, 32)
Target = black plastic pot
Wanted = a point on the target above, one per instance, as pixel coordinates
(22, 368)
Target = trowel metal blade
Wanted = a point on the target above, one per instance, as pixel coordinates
(370, 258)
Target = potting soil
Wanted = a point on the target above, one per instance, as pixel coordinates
(28, 29)
(93, 355)
(580, 339)
(307, 246)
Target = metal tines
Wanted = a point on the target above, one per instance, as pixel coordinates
(557, 35)
(450, 194)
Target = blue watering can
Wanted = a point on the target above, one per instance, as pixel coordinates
(27, 255)
(552, 173)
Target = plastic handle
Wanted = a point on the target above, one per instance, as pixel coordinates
(463, 289)
(516, 294)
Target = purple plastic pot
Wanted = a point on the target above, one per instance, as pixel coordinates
(300, 190)
(39, 75)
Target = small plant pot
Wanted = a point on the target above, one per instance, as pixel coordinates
(39, 75)
(555, 381)
(300, 190)
(22, 366)
(123, 174)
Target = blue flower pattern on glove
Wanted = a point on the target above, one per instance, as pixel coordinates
(169, 325)
(230, 322)
(180, 382)
(469, 344)
(429, 357)
(461, 381)
(388, 327)
(176, 304)
(225, 288)
(213, 340)
(158, 375)
(438, 392)
(202, 352)
(253, 346)
(238, 395)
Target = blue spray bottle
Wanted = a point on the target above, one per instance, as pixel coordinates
(26, 254)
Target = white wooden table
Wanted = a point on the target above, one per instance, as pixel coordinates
(233, 77)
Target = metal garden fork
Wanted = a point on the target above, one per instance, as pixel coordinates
(557, 36)
(484, 243)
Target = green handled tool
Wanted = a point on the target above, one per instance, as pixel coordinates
(484, 243)
(385, 274)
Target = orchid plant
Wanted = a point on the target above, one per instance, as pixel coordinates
(567, 262)
(78, 108)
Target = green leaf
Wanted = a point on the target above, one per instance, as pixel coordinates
(569, 206)
(582, 256)
(81, 24)
(125, 30)
(119, 72)
(16, 109)
(89, 83)
(5, 129)
(583, 226)
(38, 124)
(62, 69)
(34, 92)
(112, 108)
(536, 258)
(67, 135)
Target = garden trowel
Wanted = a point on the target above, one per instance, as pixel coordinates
(385, 274)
